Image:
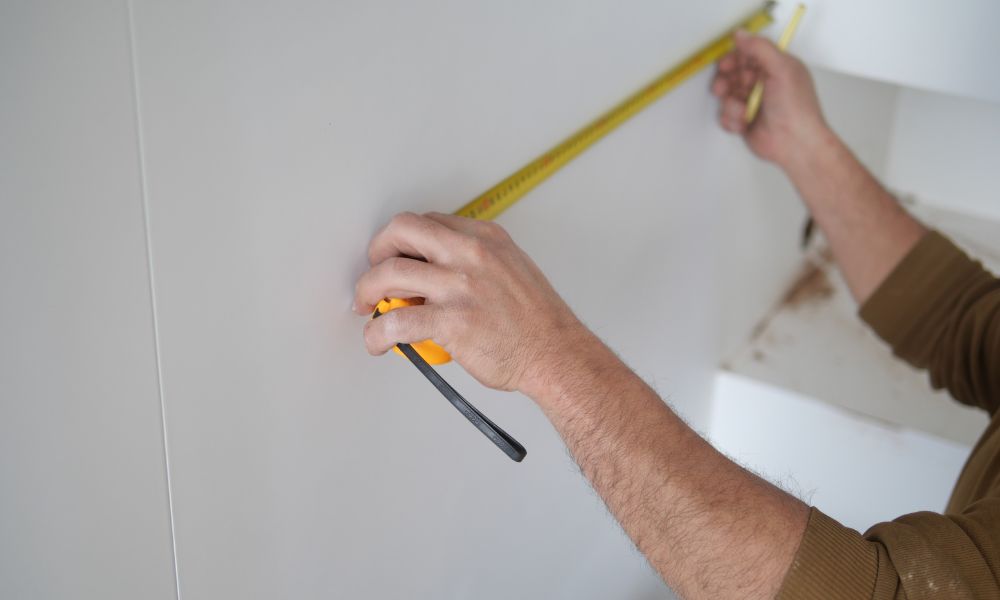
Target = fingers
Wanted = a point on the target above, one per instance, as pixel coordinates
(748, 78)
(727, 63)
(402, 326)
(731, 115)
(412, 235)
(400, 277)
(761, 50)
(720, 86)
(738, 78)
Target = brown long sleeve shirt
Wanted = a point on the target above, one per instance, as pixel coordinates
(940, 311)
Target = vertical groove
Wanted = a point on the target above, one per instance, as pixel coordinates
(144, 192)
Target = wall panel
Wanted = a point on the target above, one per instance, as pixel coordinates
(83, 493)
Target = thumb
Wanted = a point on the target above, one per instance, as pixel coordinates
(762, 50)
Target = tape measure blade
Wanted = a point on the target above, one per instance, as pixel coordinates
(494, 201)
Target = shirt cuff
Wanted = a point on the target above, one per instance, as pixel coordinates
(832, 561)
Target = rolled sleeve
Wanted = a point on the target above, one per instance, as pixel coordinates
(831, 557)
(921, 555)
(940, 310)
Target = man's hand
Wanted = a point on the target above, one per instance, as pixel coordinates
(867, 229)
(486, 302)
(711, 529)
(790, 123)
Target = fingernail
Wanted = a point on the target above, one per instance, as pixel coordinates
(741, 34)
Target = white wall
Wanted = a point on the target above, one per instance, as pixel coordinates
(945, 152)
(83, 494)
(850, 467)
(276, 139)
(945, 47)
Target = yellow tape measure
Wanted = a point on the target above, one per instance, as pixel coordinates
(503, 195)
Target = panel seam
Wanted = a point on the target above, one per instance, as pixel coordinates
(144, 197)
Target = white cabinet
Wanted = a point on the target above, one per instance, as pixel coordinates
(948, 47)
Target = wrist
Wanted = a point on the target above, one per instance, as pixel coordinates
(814, 145)
(580, 360)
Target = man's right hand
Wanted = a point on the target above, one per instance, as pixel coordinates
(790, 124)
(487, 303)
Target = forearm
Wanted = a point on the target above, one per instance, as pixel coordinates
(867, 229)
(710, 528)
(869, 232)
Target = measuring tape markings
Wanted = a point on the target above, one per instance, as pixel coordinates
(503, 195)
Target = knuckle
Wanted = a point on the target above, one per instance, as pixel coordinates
(401, 221)
(464, 283)
(403, 218)
(426, 226)
(399, 265)
(489, 228)
(464, 286)
(478, 250)
(433, 218)
(495, 231)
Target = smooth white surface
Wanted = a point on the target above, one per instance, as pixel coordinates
(817, 346)
(853, 469)
(278, 139)
(83, 498)
(941, 46)
(945, 152)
